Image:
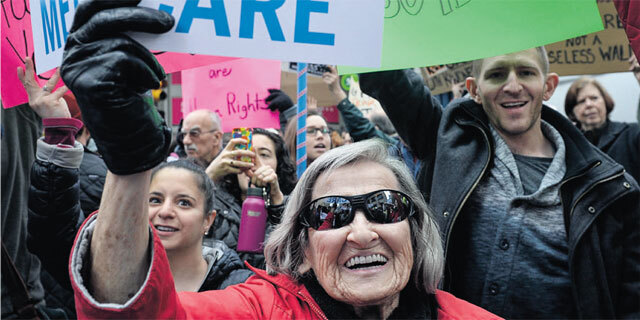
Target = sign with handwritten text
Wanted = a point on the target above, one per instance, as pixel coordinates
(15, 45)
(235, 90)
(361, 100)
(600, 52)
(440, 78)
(421, 33)
(319, 31)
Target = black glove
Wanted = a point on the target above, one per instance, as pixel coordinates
(111, 75)
(278, 100)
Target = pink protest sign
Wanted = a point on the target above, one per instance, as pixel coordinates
(176, 111)
(235, 90)
(15, 45)
(173, 61)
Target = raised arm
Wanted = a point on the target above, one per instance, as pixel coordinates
(54, 208)
(410, 106)
(110, 74)
(359, 127)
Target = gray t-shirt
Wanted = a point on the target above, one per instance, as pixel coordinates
(532, 170)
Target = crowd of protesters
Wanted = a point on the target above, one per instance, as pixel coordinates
(494, 206)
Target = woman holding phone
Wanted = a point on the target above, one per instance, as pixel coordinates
(271, 169)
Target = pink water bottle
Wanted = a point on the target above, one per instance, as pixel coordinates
(253, 222)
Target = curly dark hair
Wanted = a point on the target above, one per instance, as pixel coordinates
(286, 169)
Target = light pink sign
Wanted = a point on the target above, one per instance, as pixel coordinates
(235, 90)
(15, 45)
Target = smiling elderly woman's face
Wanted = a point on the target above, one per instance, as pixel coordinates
(332, 253)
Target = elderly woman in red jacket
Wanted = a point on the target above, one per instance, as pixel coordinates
(356, 239)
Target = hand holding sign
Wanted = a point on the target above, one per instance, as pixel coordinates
(109, 73)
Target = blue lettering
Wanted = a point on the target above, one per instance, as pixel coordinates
(268, 10)
(217, 13)
(303, 13)
(50, 26)
(166, 8)
(64, 8)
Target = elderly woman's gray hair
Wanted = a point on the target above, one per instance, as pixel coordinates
(284, 250)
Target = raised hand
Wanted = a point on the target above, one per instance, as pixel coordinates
(110, 75)
(46, 102)
(278, 100)
(332, 79)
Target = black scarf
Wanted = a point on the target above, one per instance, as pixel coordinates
(414, 304)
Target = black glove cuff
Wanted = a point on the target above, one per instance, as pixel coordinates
(131, 137)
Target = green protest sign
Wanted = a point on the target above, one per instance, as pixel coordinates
(431, 32)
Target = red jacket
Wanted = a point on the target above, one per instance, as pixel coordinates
(261, 297)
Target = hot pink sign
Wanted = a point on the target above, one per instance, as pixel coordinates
(15, 45)
(176, 111)
(174, 61)
(331, 114)
(235, 90)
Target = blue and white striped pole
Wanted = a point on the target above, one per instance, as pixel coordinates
(301, 137)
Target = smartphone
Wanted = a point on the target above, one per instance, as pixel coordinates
(246, 134)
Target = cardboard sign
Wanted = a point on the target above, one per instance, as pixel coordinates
(319, 31)
(312, 68)
(235, 90)
(361, 100)
(440, 78)
(601, 52)
(431, 32)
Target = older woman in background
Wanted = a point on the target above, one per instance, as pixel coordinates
(588, 105)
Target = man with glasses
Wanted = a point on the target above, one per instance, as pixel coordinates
(202, 136)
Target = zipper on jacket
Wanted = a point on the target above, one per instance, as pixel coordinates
(575, 203)
(312, 305)
(475, 184)
(578, 176)
(571, 251)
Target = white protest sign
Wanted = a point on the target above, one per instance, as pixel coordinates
(314, 31)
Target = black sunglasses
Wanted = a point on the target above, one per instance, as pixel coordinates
(380, 206)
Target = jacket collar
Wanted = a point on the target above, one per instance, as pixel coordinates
(581, 155)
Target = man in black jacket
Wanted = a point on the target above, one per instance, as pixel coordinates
(537, 222)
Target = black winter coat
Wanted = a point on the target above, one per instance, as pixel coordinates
(54, 209)
(621, 141)
(93, 172)
(601, 202)
(225, 267)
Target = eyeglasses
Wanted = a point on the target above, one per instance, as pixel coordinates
(313, 131)
(193, 133)
(333, 212)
